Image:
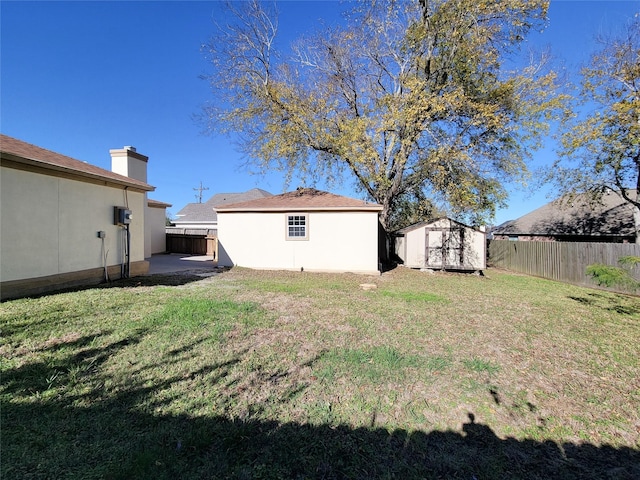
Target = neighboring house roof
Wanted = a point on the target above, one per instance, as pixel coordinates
(157, 203)
(611, 217)
(302, 199)
(415, 226)
(228, 198)
(18, 154)
(196, 212)
(205, 212)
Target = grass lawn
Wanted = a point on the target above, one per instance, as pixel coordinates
(297, 375)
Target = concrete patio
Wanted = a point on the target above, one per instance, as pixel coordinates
(178, 262)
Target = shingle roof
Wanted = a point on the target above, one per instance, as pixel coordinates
(17, 151)
(196, 212)
(205, 212)
(228, 198)
(423, 223)
(302, 199)
(611, 217)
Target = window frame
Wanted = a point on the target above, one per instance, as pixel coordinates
(287, 226)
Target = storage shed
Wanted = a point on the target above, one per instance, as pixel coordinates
(442, 244)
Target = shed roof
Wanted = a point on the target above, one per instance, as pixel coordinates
(612, 216)
(18, 154)
(425, 223)
(302, 199)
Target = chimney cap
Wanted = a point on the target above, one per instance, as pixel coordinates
(129, 147)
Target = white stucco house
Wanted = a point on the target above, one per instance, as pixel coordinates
(442, 244)
(58, 221)
(306, 229)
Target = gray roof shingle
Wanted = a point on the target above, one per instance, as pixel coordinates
(302, 199)
(205, 212)
(17, 151)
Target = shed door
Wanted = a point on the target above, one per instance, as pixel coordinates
(444, 248)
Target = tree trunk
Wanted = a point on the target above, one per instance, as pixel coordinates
(636, 222)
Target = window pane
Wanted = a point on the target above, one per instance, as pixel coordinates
(296, 226)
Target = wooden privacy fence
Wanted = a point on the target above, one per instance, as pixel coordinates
(562, 261)
(192, 241)
(191, 244)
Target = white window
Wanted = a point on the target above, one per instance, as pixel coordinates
(297, 226)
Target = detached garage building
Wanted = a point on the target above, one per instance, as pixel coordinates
(306, 229)
(442, 244)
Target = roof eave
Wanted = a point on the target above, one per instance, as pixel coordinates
(371, 208)
(15, 161)
(177, 220)
(158, 203)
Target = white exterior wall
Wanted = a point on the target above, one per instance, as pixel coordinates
(338, 241)
(476, 250)
(49, 225)
(156, 238)
(129, 164)
(415, 248)
(399, 245)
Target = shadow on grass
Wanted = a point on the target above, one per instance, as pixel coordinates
(155, 280)
(621, 304)
(118, 434)
(159, 279)
(109, 440)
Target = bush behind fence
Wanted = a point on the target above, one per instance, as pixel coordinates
(562, 261)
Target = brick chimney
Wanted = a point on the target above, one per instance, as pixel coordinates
(126, 161)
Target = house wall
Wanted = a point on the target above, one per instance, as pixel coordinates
(400, 248)
(49, 226)
(524, 238)
(155, 225)
(568, 238)
(338, 241)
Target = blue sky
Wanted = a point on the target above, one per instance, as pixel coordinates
(83, 77)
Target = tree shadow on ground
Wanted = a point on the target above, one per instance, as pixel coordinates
(107, 431)
(171, 447)
(162, 279)
(155, 280)
(622, 304)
